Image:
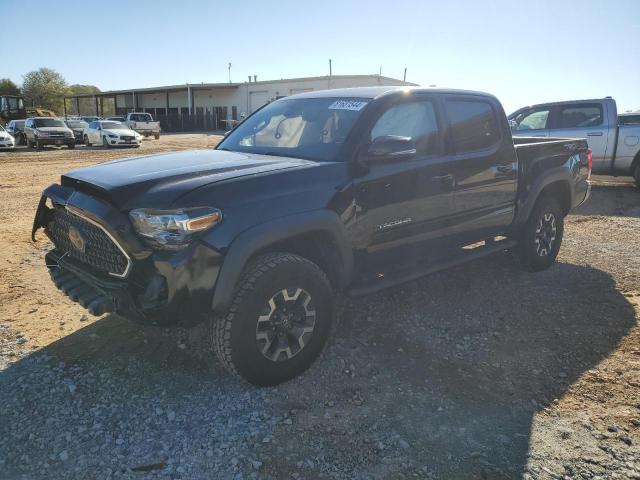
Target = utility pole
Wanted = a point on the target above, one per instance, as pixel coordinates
(330, 74)
(229, 67)
(380, 71)
(404, 79)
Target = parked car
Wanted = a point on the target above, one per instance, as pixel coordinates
(143, 123)
(41, 131)
(110, 134)
(615, 145)
(117, 119)
(90, 119)
(7, 142)
(629, 118)
(77, 126)
(349, 190)
(15, 128)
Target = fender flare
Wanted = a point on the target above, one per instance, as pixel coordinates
(257, 238)
(560, 174)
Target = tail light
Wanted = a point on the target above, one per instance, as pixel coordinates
(589, 162)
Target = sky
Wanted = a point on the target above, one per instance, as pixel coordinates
(522, 52)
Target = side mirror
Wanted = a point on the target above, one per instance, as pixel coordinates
(390, 148)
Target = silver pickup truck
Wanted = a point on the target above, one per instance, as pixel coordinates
(615, 144)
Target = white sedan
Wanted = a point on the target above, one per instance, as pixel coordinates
(110, 134)
(7, 142)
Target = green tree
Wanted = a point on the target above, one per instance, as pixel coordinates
(44, 88)
(7, 87)
(87, 105)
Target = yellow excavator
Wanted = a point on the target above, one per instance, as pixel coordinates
(12, 108)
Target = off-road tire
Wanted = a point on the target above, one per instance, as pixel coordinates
(528, 252)
(87, 143)
(233, 335)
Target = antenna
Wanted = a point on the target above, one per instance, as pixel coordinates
(229, 67)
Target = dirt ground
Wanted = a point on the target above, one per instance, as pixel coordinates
(479, 372)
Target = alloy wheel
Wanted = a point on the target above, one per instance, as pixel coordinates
(545, 234)
(286, 324)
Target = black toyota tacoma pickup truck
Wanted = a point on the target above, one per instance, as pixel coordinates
(348, 190)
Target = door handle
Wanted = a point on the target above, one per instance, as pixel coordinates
(594, 134)
(443, 178)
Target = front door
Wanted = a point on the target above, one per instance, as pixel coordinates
(484, 166)
(402, 204)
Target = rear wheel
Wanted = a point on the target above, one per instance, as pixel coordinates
(278, 322)
(540, 239)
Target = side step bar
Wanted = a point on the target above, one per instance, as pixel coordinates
(384, 283)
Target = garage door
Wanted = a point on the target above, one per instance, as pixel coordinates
(257, 99)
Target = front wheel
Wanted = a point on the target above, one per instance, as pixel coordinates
(157, 136)
(540, 239)
(71, 145)
(86, 141)
(278, 322)
(105, 142)
(636, 175)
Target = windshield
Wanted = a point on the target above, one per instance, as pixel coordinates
(140, 117)
(309, 128)
(113, 126)
(76, 124)
(48, 122)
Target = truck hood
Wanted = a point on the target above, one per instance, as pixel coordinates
(157, 181)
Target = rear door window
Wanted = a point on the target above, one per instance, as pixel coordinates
(473, 124)
(579, 116)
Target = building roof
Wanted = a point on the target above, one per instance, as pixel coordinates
(201, 86)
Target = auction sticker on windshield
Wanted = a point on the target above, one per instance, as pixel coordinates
(347, 105)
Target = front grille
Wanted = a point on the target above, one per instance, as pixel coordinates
(56, 135)
(125, 137)
(99, 252)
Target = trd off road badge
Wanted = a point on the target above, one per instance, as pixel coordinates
(77, 240)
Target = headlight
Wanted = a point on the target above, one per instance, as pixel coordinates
(173, 229)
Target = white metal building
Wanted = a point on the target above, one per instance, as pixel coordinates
(222, 102)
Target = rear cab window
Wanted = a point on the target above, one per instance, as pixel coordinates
(473, 124)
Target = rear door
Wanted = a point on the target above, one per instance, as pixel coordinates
(583, 120)
(531, 122)
(484, 167)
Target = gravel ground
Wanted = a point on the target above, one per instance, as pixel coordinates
(480, 372)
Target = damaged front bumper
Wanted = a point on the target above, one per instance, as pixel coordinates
(158, 288)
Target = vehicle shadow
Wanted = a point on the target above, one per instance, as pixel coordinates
(615, 198)
(440, 378)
